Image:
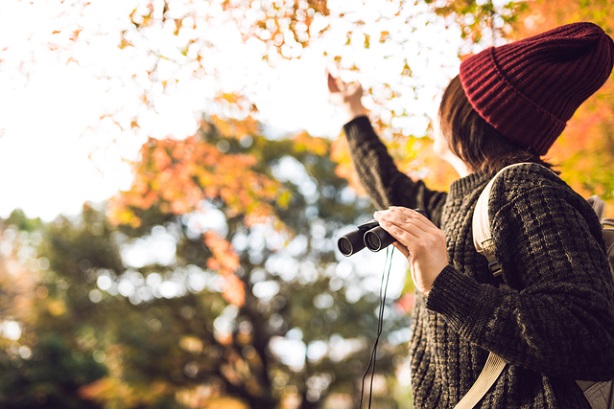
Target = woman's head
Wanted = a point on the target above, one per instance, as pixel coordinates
(517, 98)
(469, 137)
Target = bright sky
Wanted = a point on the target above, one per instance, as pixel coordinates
(56, 152)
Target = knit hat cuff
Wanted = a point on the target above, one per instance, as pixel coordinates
(504, 107)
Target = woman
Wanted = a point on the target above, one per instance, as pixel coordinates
(552, 319)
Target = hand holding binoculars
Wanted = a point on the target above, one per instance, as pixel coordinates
(369, 235)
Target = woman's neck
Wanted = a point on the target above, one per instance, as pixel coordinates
(457, 163)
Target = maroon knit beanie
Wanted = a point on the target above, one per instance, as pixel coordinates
(528, 89)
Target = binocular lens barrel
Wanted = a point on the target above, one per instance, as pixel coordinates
(374, 238)
(351, 243)
(377, 239)
(369, 235)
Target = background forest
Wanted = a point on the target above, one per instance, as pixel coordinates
(212, 279)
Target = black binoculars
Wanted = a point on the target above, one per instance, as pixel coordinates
(369, 235)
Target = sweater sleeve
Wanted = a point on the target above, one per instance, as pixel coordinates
(381, 178)
(558, 316)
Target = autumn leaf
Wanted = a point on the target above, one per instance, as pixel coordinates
(178, 176)
(304, 142)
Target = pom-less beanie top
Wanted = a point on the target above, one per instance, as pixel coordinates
(528, 90)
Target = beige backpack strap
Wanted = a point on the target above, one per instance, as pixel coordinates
(482, 239)
(480, 224)
(599, 394)
(598, 205)
(492, 369)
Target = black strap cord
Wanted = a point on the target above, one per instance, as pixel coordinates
(382, 296)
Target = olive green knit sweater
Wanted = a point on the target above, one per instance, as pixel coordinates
(553, 320)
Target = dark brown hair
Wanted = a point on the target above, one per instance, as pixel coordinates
(475, 141)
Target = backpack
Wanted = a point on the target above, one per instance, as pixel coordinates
(600, 395)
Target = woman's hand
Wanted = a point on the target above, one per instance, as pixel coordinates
(419, 240)
(347, 97)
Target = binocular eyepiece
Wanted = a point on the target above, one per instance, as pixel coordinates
(370, 235)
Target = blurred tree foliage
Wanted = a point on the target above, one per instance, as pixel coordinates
(281, 322)
(214, 280)
(585, 150)
(42, 360)
(225, 50)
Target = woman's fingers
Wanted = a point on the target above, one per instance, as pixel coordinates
(332, 84)
(409, 227)
(406, 219)
(402, 248)
(410, 214)
(420, 241)
(336, 85)
(347, 97)
(347, 89)
(403, 235)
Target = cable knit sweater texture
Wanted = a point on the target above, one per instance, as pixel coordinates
(553, 320)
